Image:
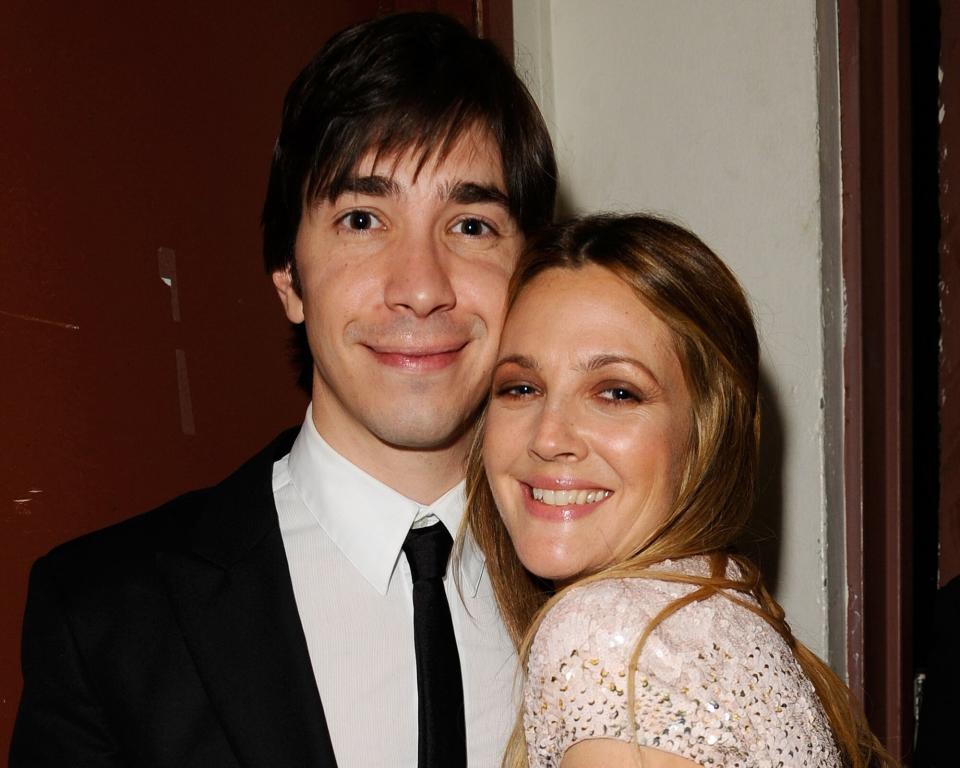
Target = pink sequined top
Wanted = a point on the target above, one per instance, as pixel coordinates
(715, 683)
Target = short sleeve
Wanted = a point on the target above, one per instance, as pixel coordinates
(714, 683)
(577, 671)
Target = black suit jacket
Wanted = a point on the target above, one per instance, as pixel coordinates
(172, 639)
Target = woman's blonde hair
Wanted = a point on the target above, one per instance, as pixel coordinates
(691, 290)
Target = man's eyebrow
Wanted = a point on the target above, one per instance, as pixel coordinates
(522, 360)
(375, 186)
(598, 362)
(469, 192)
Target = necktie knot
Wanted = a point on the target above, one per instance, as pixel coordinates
(427, 550)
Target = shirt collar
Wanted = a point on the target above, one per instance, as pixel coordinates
(366, 519)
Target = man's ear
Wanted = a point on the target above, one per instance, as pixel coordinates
(289, 297)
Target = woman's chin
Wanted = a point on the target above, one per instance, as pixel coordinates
(556, 567)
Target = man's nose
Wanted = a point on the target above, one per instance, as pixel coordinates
(419, 279)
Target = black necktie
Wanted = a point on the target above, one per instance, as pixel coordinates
(442, 742)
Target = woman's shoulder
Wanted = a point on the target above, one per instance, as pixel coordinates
(576, 685)
(713, 681)
(578, 669)
(593, 597)
(611, 614)
(604, 606)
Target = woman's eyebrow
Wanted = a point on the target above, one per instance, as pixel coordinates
(600, 361)
(523, 361)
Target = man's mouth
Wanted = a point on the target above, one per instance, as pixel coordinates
(418, 358)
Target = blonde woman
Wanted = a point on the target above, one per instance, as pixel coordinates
(618, 464)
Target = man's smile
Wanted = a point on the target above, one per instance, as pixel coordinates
(418, 359)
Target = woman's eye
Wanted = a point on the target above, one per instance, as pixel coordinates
(620, 395)
(472, 227)
(516, 390)
(360, 221)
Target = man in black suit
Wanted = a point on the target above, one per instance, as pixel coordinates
(281, 617)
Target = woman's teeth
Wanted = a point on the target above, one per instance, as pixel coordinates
(559, 498)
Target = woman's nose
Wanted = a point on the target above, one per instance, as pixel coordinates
(557, 436)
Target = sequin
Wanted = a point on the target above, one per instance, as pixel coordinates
(714, 683)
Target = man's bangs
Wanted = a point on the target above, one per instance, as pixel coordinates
(393, 137)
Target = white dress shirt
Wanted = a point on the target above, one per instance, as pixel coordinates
(342, 532)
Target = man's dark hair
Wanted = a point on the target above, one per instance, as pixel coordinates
(413, 81)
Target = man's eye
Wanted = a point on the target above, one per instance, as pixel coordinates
(472, 227)
(360, 221)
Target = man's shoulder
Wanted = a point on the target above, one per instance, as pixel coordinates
(132, 538)
(171, 526)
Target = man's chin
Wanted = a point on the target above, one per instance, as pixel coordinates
(424, 430)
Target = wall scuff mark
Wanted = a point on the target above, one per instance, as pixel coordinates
(45, 321)
(167, 262)
(187, 425)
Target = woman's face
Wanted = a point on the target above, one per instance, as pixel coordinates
(588, 425)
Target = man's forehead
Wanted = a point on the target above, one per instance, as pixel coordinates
(473, 156)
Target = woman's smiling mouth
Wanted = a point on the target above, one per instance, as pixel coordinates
(575, 496)
(564, 503)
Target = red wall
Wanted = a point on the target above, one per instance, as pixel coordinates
(128, 128)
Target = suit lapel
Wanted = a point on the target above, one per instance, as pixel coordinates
(231, 591)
